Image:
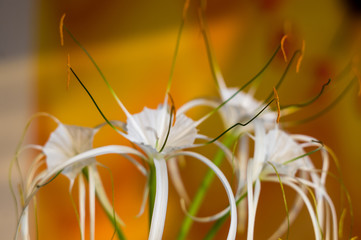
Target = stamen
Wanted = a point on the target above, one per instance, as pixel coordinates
(61, 24)
(280, 81)
(185, 9)
(173, 106)
(306, 154)
(49, 181)
(299, 105)
(96, 105)
(341, 223)
(330, 106)
(172, 110)
(100, 73)
(241, 124)
(215, 69)
(244, 86)
(278, 104)
(301, 57)
(283, 47)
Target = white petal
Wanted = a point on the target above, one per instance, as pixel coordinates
(103, 199)
(293, 213)
(233, 226)
(91, 202)
(150, 128)
(82, 205)
(24, 225)
(251, 207)
(144, 199)
(161, 200)
(197, 102)
(65, 142)
(307, 202)
(177, 179)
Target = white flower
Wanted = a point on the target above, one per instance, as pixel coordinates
(68, 151)
(285, 153)
(68, 141)
(154, 129)
(241, 108)
(163, 135)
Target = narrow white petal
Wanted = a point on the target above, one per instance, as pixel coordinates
(226, 150)
(177, 179)
(196, 103)
(293, 213)
(320, 190)
(233, 226)
(251, 210)
(102, 197)
(144, 199)
(243, 150)
(111, 149)
(307, 202)
(24, 225)
(91, 202)
(161, 200)
(204, 219)
(82, 205)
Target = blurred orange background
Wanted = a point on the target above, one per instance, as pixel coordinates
(133, 42)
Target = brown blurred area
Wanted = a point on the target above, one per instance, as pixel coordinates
(133, 42)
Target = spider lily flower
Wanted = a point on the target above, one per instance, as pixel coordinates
(164, 135)
(282, 154)
(69, 151)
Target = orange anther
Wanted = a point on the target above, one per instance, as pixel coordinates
(283, 47)
(301, 57)
(278, 104)
(61, 29)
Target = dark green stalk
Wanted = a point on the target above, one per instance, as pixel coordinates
(202, 190)
(152, 190)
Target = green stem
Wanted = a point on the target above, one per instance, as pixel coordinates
(152, 190)
(202, 190)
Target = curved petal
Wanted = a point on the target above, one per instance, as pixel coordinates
(65, 142)
(161, 200)
(103, 199)
(84, 156)
(24, 222)
(82, 205)
(91, 202)
(307, 202)
(196, 103)
(233, 226)
(177, 179)
(293, 213)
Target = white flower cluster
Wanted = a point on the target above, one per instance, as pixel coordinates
(160, 136)
(163, 135)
